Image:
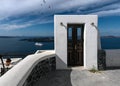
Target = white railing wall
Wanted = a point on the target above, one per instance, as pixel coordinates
(113, 58)
(17, 75)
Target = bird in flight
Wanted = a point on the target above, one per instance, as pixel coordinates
(44, 1)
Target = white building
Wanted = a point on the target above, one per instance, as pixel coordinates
(76, 41)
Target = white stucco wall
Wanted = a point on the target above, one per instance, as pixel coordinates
(90, 39)
(113, 58)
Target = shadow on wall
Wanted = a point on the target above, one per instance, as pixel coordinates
(113, 68)
(56, 78)
(60, 64)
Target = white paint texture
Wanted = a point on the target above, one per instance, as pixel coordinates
(90, 39)
(113, 58)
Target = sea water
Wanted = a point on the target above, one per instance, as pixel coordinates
(110, 43)
(13, 46)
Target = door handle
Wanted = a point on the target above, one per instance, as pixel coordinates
(75, 47)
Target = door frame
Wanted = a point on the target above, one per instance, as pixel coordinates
(82, 34)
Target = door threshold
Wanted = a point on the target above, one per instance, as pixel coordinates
(76, 68)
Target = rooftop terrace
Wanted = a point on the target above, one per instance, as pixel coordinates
(79, 77)
(39, 69)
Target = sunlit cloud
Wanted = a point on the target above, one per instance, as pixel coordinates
(13, 26)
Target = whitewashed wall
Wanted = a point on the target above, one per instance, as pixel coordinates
(90, 39)
(113, 58)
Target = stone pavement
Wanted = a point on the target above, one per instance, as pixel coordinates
(78, 77)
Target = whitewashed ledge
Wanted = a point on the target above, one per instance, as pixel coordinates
(113, 58)
(19, 73)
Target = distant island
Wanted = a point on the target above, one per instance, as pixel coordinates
(44, 39)
(39, 39)
(13, 37)
(31, 39)
(110, 36)
(8, 36)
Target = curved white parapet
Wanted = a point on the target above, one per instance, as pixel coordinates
(19, 73)
(41, 51)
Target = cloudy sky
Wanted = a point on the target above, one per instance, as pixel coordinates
(35, 17)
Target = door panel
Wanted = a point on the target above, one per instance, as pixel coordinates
(75, 44)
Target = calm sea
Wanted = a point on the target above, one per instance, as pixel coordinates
(13, 46)
(110, 43)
